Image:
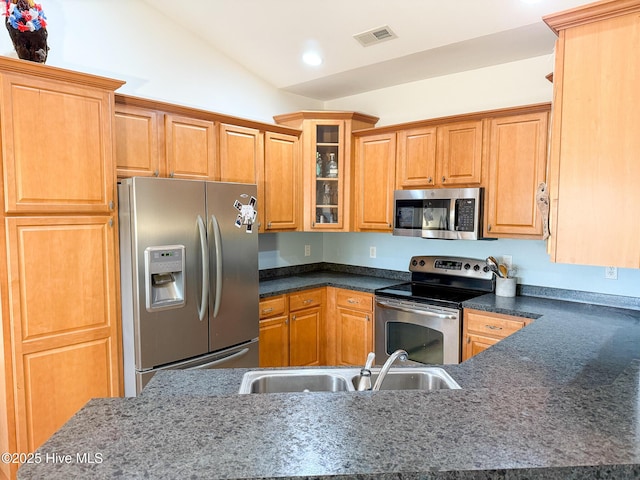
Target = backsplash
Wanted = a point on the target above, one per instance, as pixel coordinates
(534, 269)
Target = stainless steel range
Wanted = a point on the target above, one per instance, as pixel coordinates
(424, 316)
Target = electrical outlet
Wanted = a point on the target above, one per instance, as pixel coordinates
(372, 252)
(507, 261)
(611, 273)
(307, 250)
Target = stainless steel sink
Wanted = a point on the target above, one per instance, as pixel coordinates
(409, 380)
(337, 379)
(298, 382)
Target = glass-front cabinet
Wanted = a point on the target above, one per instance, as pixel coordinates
(327, 189)
(327, 164)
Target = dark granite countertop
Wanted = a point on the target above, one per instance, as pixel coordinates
(559, 399)
(303, 281)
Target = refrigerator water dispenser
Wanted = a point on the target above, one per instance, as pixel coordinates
(164, 277)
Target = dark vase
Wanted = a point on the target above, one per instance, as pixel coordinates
(30, 45)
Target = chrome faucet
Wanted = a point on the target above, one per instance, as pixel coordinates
(364, 383)
(398, 354)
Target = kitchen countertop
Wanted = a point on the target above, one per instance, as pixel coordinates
(296, 283)
(558, 399)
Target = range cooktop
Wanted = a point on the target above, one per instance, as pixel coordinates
(445, 281)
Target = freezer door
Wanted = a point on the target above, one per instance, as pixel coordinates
(164, 213)
(242, 356)
(233, 264)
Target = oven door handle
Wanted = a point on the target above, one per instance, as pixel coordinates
(418, 311)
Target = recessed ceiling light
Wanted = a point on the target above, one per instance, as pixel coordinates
(312, 58)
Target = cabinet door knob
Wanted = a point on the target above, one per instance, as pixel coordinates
(156, 173)
(171, 175)
(367, 317)
(489, 227)
(293, 318)
(111, 205)
(444, 179)
(430, 180)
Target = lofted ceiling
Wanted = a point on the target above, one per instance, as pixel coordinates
(434, 38)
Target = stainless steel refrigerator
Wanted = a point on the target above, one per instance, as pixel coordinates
(189, 276)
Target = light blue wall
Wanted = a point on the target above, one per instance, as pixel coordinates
(393, 253)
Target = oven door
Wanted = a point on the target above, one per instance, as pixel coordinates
(428, 333)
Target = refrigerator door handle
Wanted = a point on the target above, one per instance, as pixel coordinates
(205, 366)
(202, 229)
(217, 245)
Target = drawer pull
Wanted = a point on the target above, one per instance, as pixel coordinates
(267, 310)
(352, 301)
(493, 327)
(307, 301)
(367, 317)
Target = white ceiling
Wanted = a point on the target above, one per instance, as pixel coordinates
(435, 37)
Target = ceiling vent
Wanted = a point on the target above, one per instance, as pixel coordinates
(375, 36)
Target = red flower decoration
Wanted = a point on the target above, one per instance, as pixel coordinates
(22, 27)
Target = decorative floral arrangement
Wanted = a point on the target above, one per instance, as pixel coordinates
(25, 20)
(27, 26)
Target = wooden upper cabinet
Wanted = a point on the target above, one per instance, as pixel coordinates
(279, 184)
(517, 165)
(459, 153)
(138, 151)
(374, 177)
(241, 154)
(56, 130)
(326, 165)
(416, 158)
(594, 167)
(190, 147)
(440, 155)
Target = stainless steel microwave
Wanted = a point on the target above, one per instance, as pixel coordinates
(445, 213)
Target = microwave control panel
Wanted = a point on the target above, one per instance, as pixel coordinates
(465, 214)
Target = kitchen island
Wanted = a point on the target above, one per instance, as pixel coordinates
(559, 399)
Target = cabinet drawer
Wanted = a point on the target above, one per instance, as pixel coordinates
(494, 325)
(270, 307)
(306, 299)
(355, 300)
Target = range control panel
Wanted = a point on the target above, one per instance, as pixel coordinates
(458, 266)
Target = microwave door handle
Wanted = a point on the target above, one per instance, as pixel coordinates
(417, 311)
(452, 215)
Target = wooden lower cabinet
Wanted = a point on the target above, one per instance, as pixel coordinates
(274, 332)
(353, 324)
(322, 326)
(482, 329)
(306, 327)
